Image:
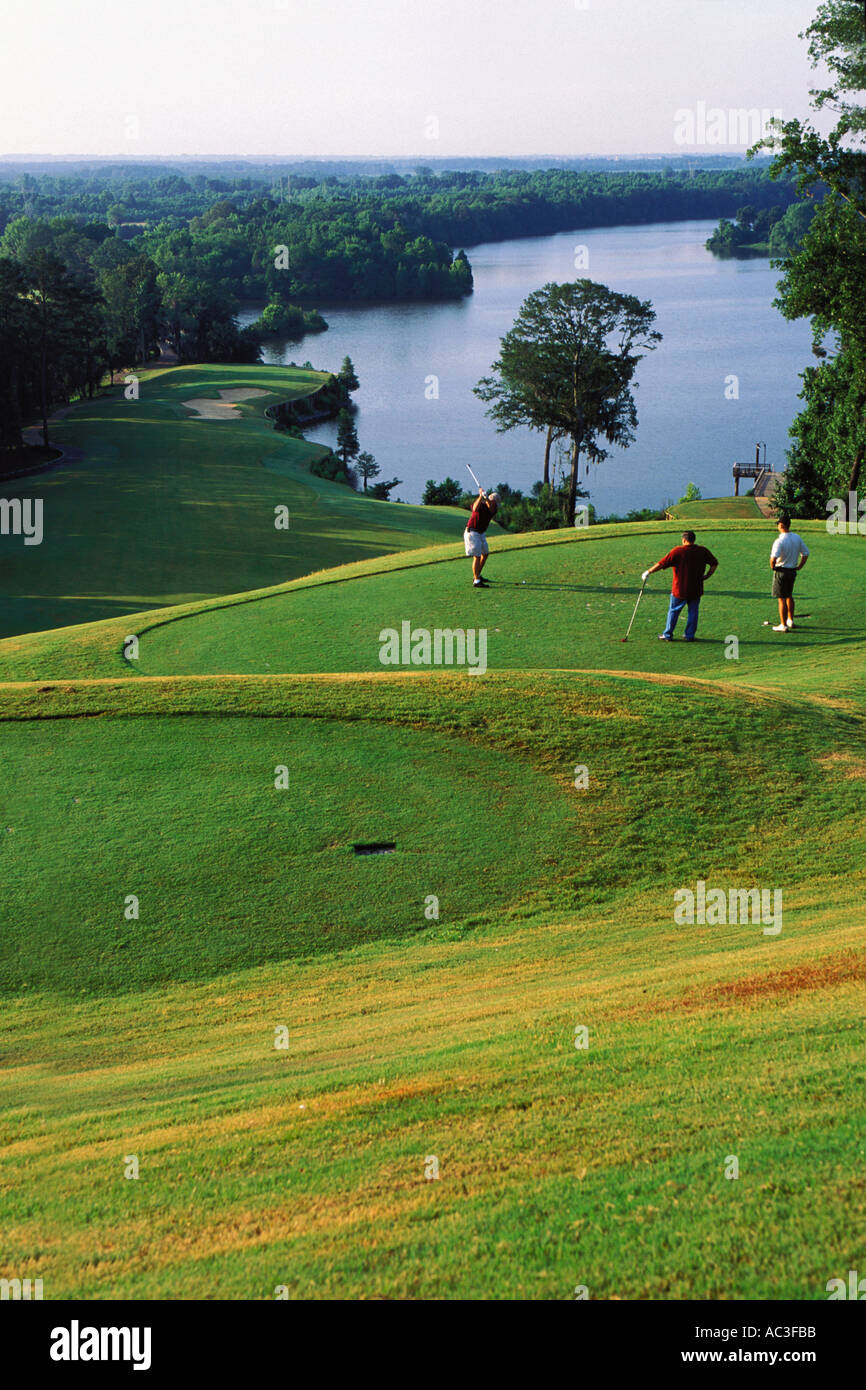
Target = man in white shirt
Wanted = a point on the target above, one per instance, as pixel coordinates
(787, 556)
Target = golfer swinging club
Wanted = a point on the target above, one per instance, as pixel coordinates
(483, 512)
(688, 562)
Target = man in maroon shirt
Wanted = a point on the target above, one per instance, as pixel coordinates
(689, 563)
(474, 539)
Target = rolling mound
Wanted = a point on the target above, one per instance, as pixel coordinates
(559, 600)
(550, 606)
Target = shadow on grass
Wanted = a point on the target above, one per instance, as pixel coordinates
(626, 589)
(24, 615)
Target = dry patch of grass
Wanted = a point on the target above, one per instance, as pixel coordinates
(821, 974)
(841, 760)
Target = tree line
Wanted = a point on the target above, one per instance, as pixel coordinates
(96, 273)
(460, 207)
(76, 304)
(824, 276)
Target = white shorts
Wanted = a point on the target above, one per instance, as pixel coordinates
(475, 542)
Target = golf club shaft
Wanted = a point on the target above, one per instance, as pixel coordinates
(634, 614)
(475, 480)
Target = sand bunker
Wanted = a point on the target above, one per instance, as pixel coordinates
(224, 408)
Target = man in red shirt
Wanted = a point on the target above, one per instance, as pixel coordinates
(689, 563)
(474, 539)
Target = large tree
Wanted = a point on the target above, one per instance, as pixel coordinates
(824, 278)
(825, 281)
(837, 39)
(567, 366)
(132, 309)
(347, 375)
(819, 460)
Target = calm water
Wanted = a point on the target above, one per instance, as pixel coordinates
(717, 319)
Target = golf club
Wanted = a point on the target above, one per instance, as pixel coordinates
(476, 482)
(634, 614)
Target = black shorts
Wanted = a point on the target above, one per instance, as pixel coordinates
(783, 582)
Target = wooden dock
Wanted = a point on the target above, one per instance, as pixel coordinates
(765, 486)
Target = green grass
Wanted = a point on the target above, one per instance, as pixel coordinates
(306, 1167)
(175, 781)
(157, 506)
(565, 605)
(306, 891)
(560, 600)
(716, 508)
(415, 1033)
(411, 1037)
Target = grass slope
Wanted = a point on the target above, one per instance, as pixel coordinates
(415, 1033)
(561, 600)
(157, 506)
(716, 508)
(550, 606)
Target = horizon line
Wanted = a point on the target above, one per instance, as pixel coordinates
(314, 158)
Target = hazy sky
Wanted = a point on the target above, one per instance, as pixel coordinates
(420, 78)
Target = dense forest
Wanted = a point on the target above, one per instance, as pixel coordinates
(98, 270)
(453, 207)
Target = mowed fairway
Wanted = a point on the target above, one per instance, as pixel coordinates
(156, 505)
(287, 1034)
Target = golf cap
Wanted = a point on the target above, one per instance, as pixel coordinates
(493, 497)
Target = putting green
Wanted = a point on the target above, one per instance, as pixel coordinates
(549, 606)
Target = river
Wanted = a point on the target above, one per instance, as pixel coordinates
(717, 320)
